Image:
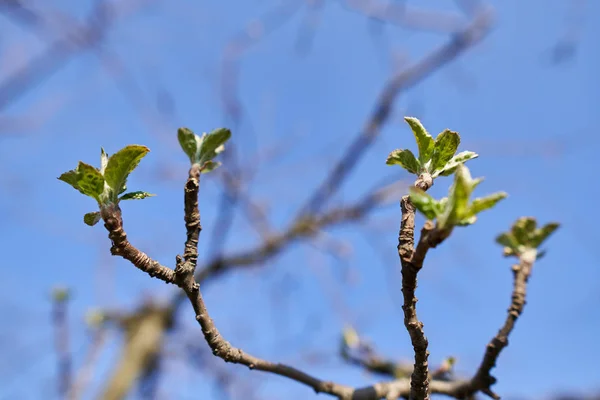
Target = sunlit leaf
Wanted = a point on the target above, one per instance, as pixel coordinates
(425, 141)
(121, 164)
(103, 160)
(454, 162)
(406, 159)
(85, 178)
(444, 149)
(458, 198)
(507, 240)
(91, 218)
(210, 166)
(350, 337)
(190, 143)
(136, 195)
(541, 234)
(213, 144)
(483, 203)
(523, 230)
(424, 202)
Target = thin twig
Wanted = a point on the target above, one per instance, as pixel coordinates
(521, 272)
(61, 325)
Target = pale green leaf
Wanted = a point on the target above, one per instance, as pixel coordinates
(423, 202)
(121, 164)
(459, 196)
(350, 337)
(209, 166)
(467, 221)
(523, 230)
(506, 239)
(425, 141)
(103, 160)
(61, 294)
(70, 177)
(454, 162)
(85, 178)
(444, 149)
(190, 143)
(483, 203)
(440, 205)
(543, 233)
(91, 218)
(139, 195)
(406, 159)
(213, 143)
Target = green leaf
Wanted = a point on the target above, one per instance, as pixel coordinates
(350, 337)
(458, 198)
(466, 221)
(424, 202)
(444, 149)
(440, 205)
(213, 143)
(543, 233)
(483, 203)
(507, 240)
(406, 159)
(85, 178)
(425, 142)
(70, 177)
(190, 143)
(91, 218)
(209, 166)
(121, 164)
(523, 229)
(103, 160)
(454, 162)
(136, 195)
(61, 294)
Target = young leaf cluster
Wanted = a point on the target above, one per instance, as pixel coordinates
(107, 184)
(436, 157)
(456, 209)
(524, 235)
(202, 149)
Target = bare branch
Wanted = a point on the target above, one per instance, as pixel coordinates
(521, 272)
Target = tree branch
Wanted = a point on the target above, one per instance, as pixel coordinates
(521, 272)
(412, 262)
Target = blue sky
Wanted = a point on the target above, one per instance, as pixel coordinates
(532, 122)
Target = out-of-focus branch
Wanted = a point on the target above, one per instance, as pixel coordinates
(245, 39)
(144, 334)
(355, 350)
(301, 228)
(79, 38)
(86, 371)
(60, 321)
(398, 13)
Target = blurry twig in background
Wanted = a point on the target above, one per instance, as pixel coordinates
(86, 370)
(60, 306)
